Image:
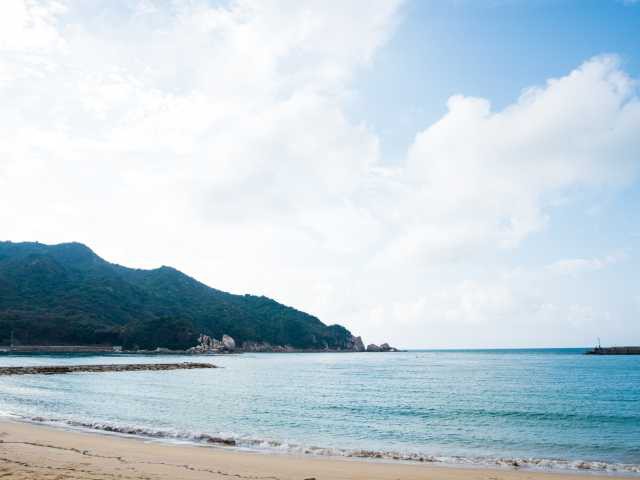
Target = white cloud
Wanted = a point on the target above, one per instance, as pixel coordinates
(216, 139)
(495, 172)
(575, 266)
(30, 26)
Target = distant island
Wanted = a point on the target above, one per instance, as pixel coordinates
(67, 295)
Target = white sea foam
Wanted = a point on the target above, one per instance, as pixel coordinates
(227, 440)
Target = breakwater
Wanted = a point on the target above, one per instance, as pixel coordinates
(62, 369)
(614, 351)
(60, 349)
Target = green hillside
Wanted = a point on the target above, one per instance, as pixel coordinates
(65, 294)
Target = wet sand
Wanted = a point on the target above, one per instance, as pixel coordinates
(38, 452)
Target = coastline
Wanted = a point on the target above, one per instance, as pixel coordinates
(38, 452)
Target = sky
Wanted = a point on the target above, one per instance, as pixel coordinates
(432, 174)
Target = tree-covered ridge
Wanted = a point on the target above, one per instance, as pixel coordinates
(66, 294)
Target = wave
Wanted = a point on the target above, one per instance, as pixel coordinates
(264, 445)
(481, 413)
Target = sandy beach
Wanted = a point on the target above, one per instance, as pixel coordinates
(37, 452)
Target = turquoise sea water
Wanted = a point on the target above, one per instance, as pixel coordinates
(555, 409)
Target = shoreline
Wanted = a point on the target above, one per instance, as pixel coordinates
(37, 451)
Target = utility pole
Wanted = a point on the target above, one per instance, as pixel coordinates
(11, 339)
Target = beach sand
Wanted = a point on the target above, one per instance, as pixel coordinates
(37, 452)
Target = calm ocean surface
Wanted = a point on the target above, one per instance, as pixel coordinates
(540, 408)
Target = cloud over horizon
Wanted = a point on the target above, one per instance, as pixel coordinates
(219, 139)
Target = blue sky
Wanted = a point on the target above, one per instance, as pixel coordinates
(453, 173)
(485, 48)
(495, 49)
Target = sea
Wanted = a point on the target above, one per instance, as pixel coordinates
(541, 409)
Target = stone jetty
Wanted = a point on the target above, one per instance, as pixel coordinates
(614, 351)
(131, 367)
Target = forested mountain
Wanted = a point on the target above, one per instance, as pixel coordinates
(65, 294)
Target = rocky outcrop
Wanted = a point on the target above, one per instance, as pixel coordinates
(266, 347)
(207, 344)
(355, 344)
(284, 349)
(385, 347)
(228, 342)
(256, 347)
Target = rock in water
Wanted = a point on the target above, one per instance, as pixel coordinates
(228, 342)
(385, 347)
